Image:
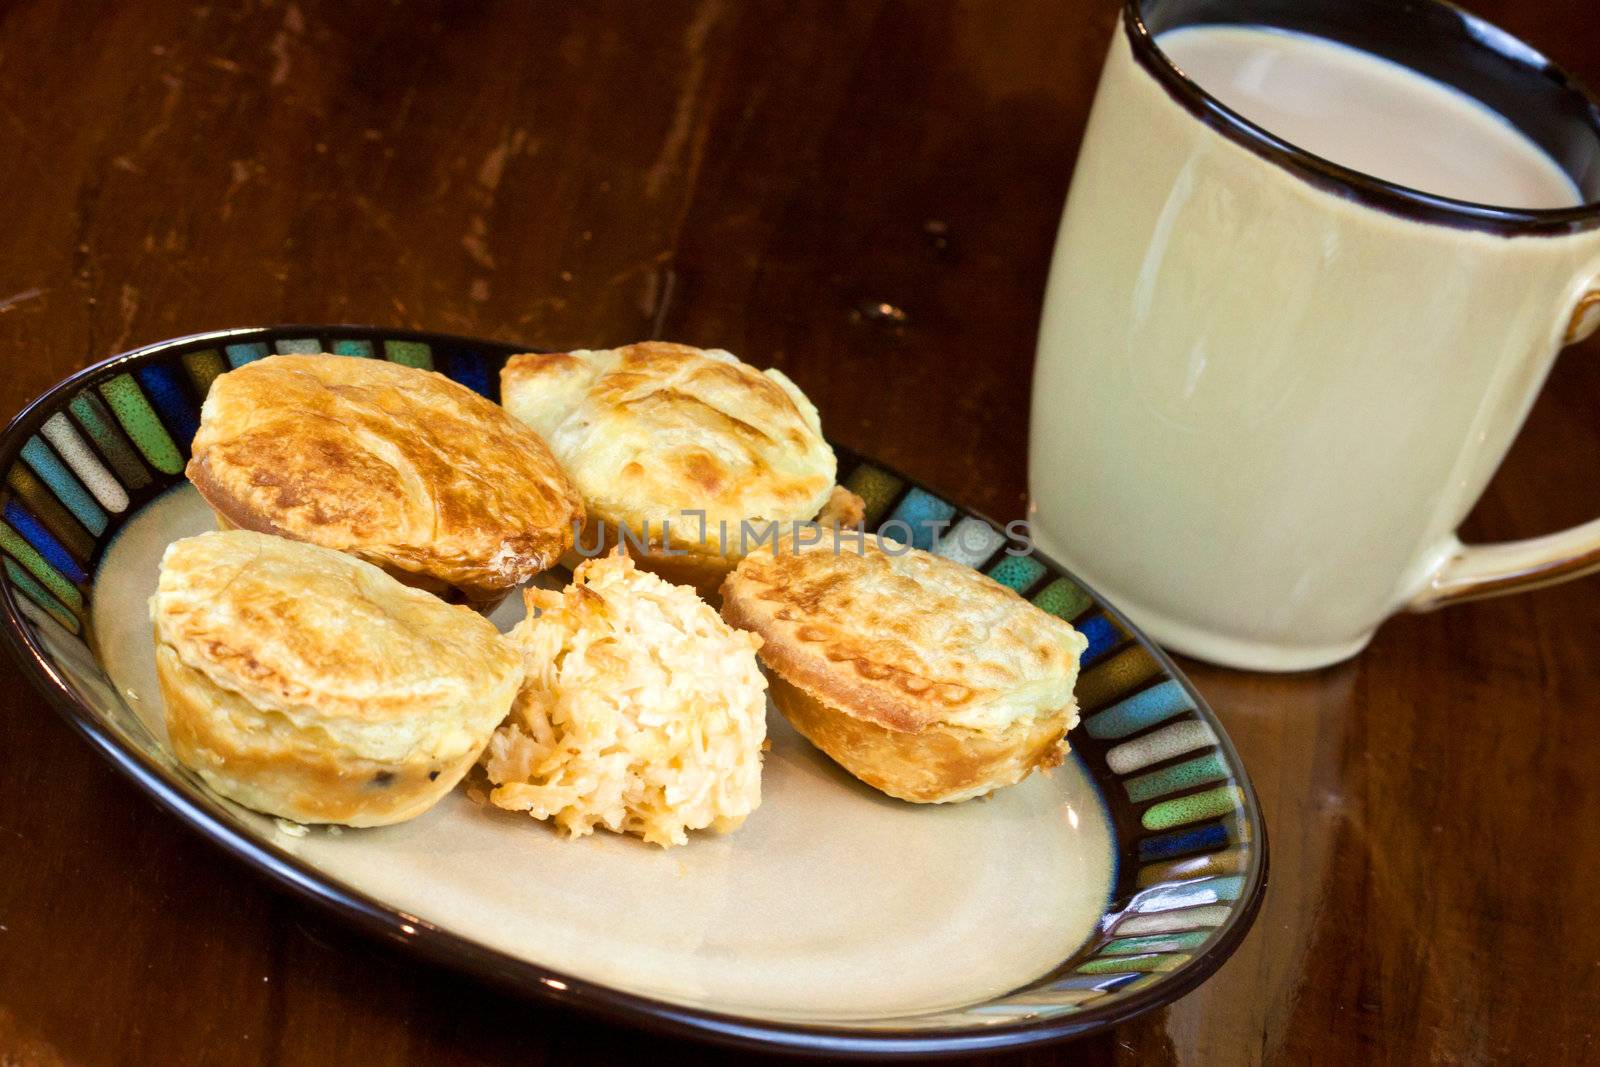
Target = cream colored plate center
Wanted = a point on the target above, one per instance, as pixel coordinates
(832, 901)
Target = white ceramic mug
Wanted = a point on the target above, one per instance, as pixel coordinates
(1269, 388)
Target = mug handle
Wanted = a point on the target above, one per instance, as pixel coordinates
(1473, 572)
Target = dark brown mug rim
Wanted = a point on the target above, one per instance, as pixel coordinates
(1365, 188)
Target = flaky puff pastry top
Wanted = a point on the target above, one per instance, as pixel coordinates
(902, 637)
(399, 466)
(652, 430)
(308, 631)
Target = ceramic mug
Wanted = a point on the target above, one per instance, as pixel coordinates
(1370, 351)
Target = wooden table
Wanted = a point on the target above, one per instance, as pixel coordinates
(864, 195)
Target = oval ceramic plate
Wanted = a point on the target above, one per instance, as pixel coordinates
(836, 920)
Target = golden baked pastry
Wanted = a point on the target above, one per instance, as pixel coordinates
(642, 711)
(401, 467)
(678, 446)
(921, 677)
(307, 684)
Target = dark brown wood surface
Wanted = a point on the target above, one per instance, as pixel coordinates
(775, 178)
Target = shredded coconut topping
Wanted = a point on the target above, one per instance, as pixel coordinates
(642, 712)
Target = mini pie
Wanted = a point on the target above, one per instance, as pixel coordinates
(920, 676)
(398, 466)
(307, 684)
(642, 712)
(680, 447)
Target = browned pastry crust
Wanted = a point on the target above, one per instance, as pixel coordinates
(302, 781)
(926, 766)
(897, 661)
(654, 432)
(485, 604)
(704, 571)
(681, 447)
(305, 683)
(398, 466)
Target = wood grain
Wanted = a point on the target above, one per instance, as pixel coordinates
(865, 195)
